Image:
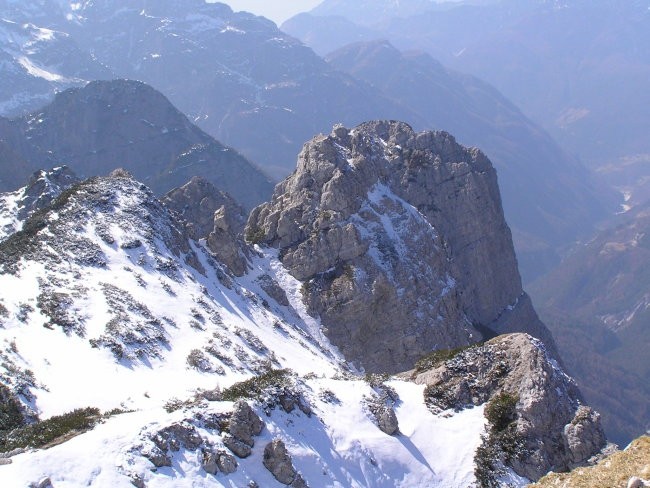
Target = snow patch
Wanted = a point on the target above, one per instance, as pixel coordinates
(37, 72)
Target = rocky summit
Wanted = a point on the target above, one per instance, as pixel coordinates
(549, 429)
(400, 242)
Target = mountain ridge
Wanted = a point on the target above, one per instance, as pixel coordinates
(110, 276)
(122, 123)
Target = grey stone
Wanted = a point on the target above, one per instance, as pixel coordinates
(227, 464)
(208, 459)
(245, 423)
(558, 432)
(158, 457)
(238, 447)
(387, 420)
(176, 436)
(138, 481)
(400, 240)
(584, 435)
(636, 482)
(278, 461)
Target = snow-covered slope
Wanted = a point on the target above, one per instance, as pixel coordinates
(338, 446)
(112, 307)
(103, 278)
(106, 303)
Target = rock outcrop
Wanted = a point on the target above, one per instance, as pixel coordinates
(278, 461)
(244, 424)
(400, 240)
(213, 215)
(213, 462)
(553, 430)
(41, 190)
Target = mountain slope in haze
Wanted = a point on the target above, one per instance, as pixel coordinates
(261, 91)
(608, 281)
(109, 304)
(561, 200)
(601, 293)
(250, 85)
(37, 62)
(579, 68)
(107, 124)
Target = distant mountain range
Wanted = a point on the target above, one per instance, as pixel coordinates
(262, 92)
(580, 68)
(110, 124)
(598, 305)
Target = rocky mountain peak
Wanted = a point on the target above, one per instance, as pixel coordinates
(106, 276)
(370, 208)
(213, 215)
(550, 430)
(42, 188)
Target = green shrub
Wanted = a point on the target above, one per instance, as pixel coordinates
(436, 358)
(376, 380)
(11, 416)
(255, 235)
(254, 387)
(44, 432)
(502, 444)
(438, 398)
(485, 471)
(501, 411)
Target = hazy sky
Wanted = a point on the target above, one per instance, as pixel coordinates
(276, 10)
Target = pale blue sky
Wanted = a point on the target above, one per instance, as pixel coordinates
(276, 10)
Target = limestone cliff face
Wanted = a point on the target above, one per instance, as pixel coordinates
(401, 242)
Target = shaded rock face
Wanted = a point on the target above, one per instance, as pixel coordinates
(278, 461)
(244, 424)
(213, 215)
(401, 242)
(126, 123)
(558, 433)
(214, 461)
(387, 421)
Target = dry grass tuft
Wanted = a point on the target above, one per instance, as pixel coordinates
(612, 472)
